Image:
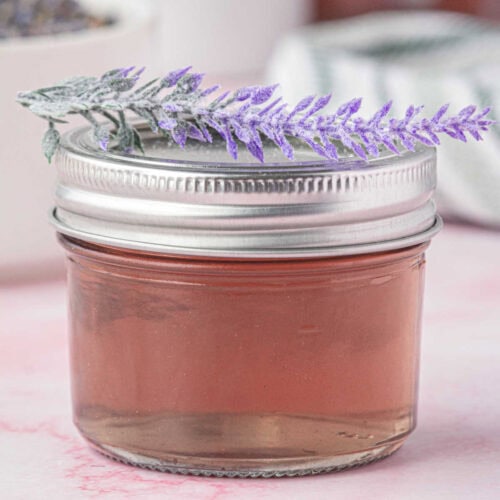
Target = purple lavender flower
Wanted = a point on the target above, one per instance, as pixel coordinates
(171, 78)
(177, 106)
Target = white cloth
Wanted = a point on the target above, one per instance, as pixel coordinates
(411, 57)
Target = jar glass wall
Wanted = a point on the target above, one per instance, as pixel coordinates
(244, 367)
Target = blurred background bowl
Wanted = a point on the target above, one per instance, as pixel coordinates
(27, 243)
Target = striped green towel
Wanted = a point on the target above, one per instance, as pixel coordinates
(411, 57)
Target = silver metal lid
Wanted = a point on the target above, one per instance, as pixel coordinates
(198, 201)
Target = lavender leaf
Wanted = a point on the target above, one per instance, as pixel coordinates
(50, 142)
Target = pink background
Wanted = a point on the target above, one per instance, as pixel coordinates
(455, 452)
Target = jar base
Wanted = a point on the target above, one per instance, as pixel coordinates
(269, 469)
(245, 445)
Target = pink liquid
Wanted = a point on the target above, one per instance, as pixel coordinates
(244, 367)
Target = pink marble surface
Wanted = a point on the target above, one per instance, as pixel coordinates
(455, 452)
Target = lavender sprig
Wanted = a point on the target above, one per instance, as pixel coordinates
(176, 106)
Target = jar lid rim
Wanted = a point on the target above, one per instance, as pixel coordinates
(283, 253)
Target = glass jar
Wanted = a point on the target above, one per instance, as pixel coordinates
(239, 319)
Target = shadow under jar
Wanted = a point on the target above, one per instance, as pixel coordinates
(239, 319)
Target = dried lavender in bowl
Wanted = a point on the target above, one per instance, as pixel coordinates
(178, 107)
(27, 18)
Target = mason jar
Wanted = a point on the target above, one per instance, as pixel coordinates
(233, 318)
